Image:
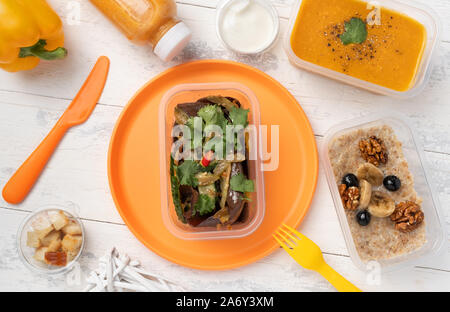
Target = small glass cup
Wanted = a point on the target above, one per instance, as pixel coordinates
(26, 253)
(273, 12)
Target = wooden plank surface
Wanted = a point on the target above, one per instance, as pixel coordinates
(31, 102)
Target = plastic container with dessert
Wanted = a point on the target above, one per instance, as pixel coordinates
(252, 214)
(360, 65)
(51, 240)
(389, 239)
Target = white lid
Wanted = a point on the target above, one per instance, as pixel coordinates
(173, 42)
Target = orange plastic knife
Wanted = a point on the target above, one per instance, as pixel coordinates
(78, 112)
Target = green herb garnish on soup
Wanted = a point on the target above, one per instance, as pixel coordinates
(355, 31)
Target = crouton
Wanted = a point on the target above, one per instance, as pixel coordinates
(58, 219)
(58, 258)
(72, 254)
(55, 245)
(71, 242)
(41, 221)
(33, 240)
(42, 233)
(72, 228)
(39, 255)
(42, 225)
(52, 236)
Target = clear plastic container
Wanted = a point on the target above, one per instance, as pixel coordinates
(418, 11)
(190, 93)
(26, 253)
(222, 8)
(413, 153)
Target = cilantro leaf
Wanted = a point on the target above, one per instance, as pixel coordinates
(204, 205)
(186, 172)
(175, 186)
(239, 116)
(191, 124)
(239, 183)
(195, 127)
(355, 31)
(213, 115)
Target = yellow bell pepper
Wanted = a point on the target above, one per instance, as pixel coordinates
(29, 31)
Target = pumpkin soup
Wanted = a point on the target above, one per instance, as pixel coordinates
(336, 34)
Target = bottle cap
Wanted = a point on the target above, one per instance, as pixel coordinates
(173, 42)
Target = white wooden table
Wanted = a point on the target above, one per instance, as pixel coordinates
(31, 102)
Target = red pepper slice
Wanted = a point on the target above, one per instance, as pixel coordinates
(207, 158)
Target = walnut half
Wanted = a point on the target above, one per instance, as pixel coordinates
(373, 151)
(349, 196)
(407, 216)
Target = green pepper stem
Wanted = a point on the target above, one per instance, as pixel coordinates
(39, 51)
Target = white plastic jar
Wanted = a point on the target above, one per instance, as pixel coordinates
(247, 26)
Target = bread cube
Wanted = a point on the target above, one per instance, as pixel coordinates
(58, 219)
(42, 233)
(72, 228)
(41, 222)
(39, 255)
(42, 225)
(71, 242)
(57, 258)
(72, 254)
(51, 237)
(55, 245)
(33, 240)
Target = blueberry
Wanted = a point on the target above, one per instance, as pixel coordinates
(350, 180)
(392, 183)
(363, 217)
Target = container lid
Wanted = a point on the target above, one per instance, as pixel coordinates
(173, 42)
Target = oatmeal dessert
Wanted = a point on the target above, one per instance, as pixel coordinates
(377, 190)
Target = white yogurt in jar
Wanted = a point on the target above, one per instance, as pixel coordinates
(247, 26)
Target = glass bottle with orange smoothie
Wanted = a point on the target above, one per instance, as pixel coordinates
(148, 22)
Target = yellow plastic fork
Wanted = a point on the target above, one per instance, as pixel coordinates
(309, 256)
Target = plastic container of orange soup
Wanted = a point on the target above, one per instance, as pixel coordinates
(188, 93)
(148, 22)
(395, 59)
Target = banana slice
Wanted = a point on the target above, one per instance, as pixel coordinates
(381, 205)
(365, 191)
(370, 173)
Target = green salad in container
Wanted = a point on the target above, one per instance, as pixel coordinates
(209, 163)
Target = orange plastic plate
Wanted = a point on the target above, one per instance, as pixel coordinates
(133, 167)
